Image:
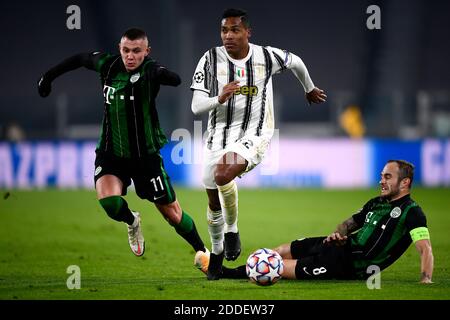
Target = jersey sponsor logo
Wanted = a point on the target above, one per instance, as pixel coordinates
(97, 170)
(135, 77)
(199, 77)
(108, 93)
(247, 91)
(396, 212)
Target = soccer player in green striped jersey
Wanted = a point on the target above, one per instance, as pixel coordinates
(385, 225)
(131, 136)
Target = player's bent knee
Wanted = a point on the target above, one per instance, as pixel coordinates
(284, 251)
(222, 177)
(289, 271)
(112, 205)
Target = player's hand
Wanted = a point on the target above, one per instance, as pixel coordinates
(44, 87)
(336, 238)
(228, 91)
(316, 96)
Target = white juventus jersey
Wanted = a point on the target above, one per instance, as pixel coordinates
(250, 110)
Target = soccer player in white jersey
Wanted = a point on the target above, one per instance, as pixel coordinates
(234, 84)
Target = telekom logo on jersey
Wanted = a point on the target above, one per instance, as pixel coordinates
(108, 92)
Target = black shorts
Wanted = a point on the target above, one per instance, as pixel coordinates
(148, 174)
(316, 260)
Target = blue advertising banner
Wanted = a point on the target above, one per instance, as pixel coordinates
(289, 163)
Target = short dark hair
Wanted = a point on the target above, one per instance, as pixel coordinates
(405, 170)
(232, 12)
(134, 34)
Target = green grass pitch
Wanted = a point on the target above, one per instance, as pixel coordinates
(44, 232)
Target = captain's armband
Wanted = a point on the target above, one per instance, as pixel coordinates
(420, 233)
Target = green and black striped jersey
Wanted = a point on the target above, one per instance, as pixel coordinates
(384, 231)
(130, 128)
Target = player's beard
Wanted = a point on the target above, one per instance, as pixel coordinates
(394, 191)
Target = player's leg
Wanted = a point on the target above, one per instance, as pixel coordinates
(183, 223)
(284, 250)
(230, 166)
(316, 260)
(241, 273)
(213, 215)
(153, 183)
(289, 269)
(111, 183)
(109, 193)
(303, 259)
(215, 230)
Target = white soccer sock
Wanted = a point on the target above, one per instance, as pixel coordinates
(228, 196)
(136, 221)
(215, 229)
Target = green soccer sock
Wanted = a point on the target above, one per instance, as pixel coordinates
(117, 208)
(186, 228)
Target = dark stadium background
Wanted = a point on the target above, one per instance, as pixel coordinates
(381, 71)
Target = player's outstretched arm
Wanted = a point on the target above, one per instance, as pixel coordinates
(339, 237)
(69, 64)
(312, 93)
(316, 95)
(426, 260)
(167, 77)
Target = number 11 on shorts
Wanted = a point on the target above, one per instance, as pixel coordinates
(155, 185)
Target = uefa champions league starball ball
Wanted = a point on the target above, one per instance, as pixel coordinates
(264, 267)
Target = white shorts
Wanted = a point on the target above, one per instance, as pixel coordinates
(250, 147)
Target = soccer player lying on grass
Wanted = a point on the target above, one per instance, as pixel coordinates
(131, 136)
(386, 227)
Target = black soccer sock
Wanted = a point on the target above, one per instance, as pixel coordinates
(117, 208)
(234, 273)
(186, 228)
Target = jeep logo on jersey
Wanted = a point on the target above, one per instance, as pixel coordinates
(247, 91)
(135, 77)
(108, 93)
(396, 212)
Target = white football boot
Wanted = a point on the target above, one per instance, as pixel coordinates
(135, 237)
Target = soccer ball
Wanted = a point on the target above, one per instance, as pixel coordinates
(264, 267)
